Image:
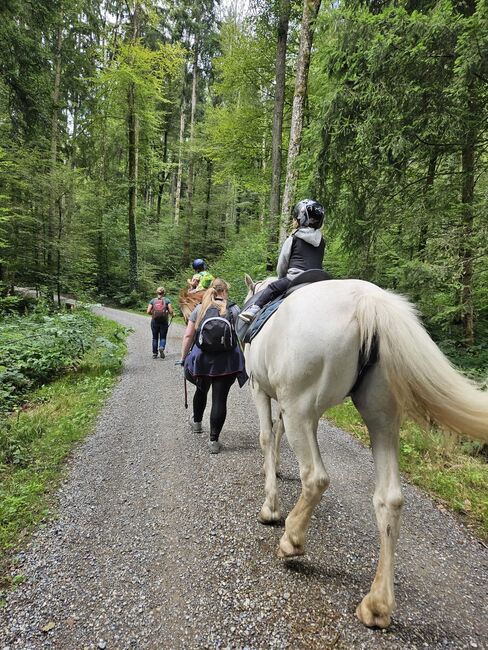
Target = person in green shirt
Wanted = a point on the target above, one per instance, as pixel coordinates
(200, 269)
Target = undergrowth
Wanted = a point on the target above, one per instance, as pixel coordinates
(38, 346)
(36, 440)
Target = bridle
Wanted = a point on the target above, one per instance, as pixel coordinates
(256, 285)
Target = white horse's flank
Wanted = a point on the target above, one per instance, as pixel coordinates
(306, 358)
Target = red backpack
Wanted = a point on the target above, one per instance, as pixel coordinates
(159, 309)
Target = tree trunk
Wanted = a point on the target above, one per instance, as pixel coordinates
(468, 182)
(101, 248)
(207, 198)
(162, 177)
(466, 249)
(133, 171)
(50, 271)
(237, 216)
(133, 153)
(280, 74)
(191, 162)
(61, 214)
(180, 166)
(310, 11)
(429, 184)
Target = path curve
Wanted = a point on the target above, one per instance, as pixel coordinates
(156, 544)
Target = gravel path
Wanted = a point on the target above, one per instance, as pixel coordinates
(156, 544)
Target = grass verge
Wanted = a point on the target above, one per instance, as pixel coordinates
(42, 435)
(448, 469)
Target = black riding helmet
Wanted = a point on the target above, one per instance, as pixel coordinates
(309, 213)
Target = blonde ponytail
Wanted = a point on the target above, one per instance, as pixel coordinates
(216, 290)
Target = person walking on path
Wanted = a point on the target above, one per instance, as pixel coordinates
(212, 357)
(159, 308)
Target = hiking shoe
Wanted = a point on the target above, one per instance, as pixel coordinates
(214, 446)
(161, 352)
(196, 427)
(155, 355)
(249, 314)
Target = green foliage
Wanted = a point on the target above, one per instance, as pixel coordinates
(34, 348)
(35, 441)
(148, 72)
(397, 98)
(394, 95)
(238, 124)
(246, 254)
(9, 304)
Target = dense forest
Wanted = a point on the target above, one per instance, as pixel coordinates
(136, 135)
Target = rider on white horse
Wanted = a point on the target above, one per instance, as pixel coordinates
(302, 251)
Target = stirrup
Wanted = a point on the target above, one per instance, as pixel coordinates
(249, 314)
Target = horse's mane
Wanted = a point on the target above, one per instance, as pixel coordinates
(188, 301)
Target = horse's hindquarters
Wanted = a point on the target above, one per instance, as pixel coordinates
(306, 355)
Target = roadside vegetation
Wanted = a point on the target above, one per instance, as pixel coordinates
(453, 471)
(56, 370)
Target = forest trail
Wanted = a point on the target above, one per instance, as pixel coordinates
(157, 546)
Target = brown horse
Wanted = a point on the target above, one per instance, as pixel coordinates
(188, 301)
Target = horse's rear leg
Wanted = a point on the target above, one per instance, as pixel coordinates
(301, 432)
(377, 406)
(279, 429)
(270, 512)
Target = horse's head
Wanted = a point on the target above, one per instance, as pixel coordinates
(250, 284)
(255, 287)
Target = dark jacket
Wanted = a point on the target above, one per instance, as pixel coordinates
(199, 363)
(303, 250)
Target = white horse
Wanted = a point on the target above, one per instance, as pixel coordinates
(306, 358)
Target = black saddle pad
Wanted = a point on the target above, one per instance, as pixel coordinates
(307, 277)
(247, 331)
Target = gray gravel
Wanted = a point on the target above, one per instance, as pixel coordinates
(156, 543)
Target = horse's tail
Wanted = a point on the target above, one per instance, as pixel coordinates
(422, 379)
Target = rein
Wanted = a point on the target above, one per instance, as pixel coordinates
(255, 287)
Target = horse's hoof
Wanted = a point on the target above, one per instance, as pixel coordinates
(286, 549)
(373, 614)
(268, 516)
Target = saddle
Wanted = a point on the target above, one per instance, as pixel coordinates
(247, 331)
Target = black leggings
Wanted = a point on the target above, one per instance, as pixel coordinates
(220, 391)
(272, 291)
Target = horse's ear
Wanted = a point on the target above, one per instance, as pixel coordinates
(249, 282)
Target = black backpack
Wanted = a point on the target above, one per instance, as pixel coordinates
(216, 333)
